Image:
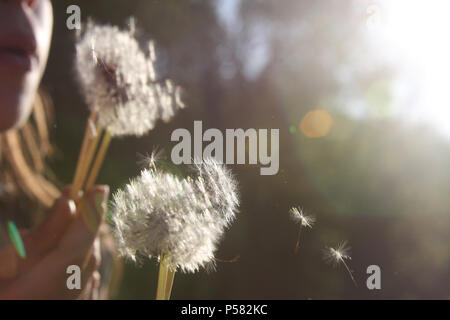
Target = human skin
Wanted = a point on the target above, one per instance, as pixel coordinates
(25, 33)
(63, 239)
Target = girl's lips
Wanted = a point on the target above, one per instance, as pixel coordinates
(16, 60)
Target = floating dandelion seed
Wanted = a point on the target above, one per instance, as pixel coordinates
(160, 215)
(338, 255)
(299, 216)
(150, 160)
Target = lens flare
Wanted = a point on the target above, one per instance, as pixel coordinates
(316, 124)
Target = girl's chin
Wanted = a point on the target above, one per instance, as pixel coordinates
(13, 116)
(16, 100)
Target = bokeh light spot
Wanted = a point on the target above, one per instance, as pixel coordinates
(316, 124)
(292, 129)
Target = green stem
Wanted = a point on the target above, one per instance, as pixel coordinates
(162, 279)
(169, 283)
(98, 162)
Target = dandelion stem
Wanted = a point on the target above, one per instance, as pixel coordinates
(84, 146)
(169, 283)
(349, 272)
(162, 279)
(98, 161)
(297, 245)
(85, 164)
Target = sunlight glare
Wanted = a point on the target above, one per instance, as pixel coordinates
(414, 33)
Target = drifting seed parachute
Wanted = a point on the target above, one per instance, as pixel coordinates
(299, 216)
(338, 255)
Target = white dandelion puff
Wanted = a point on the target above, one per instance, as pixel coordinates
(338, 255)
(299, 216)
(119, 81)
(158, 214)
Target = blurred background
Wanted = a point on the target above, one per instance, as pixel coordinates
(359, 92)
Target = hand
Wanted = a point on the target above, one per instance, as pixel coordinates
(69, 236)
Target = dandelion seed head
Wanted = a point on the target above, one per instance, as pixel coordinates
(298, 215)
(158, 214)
(119, 81)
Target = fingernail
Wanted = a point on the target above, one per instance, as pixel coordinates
(100, 202)
(105, 190)
(72, 207)
(16, 239)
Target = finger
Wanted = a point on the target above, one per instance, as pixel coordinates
(91, 291)
(85, 293)
(95, 290)
(39, 241)
(87, 280)
(79, 244)
(8, 263)
(97, 259)
(93, 207)
(65, 192)
(49, 278)
(10, 253)
(93, 256)
(44, 238)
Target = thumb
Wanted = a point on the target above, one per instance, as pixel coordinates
(93, 207)
(41, 240)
